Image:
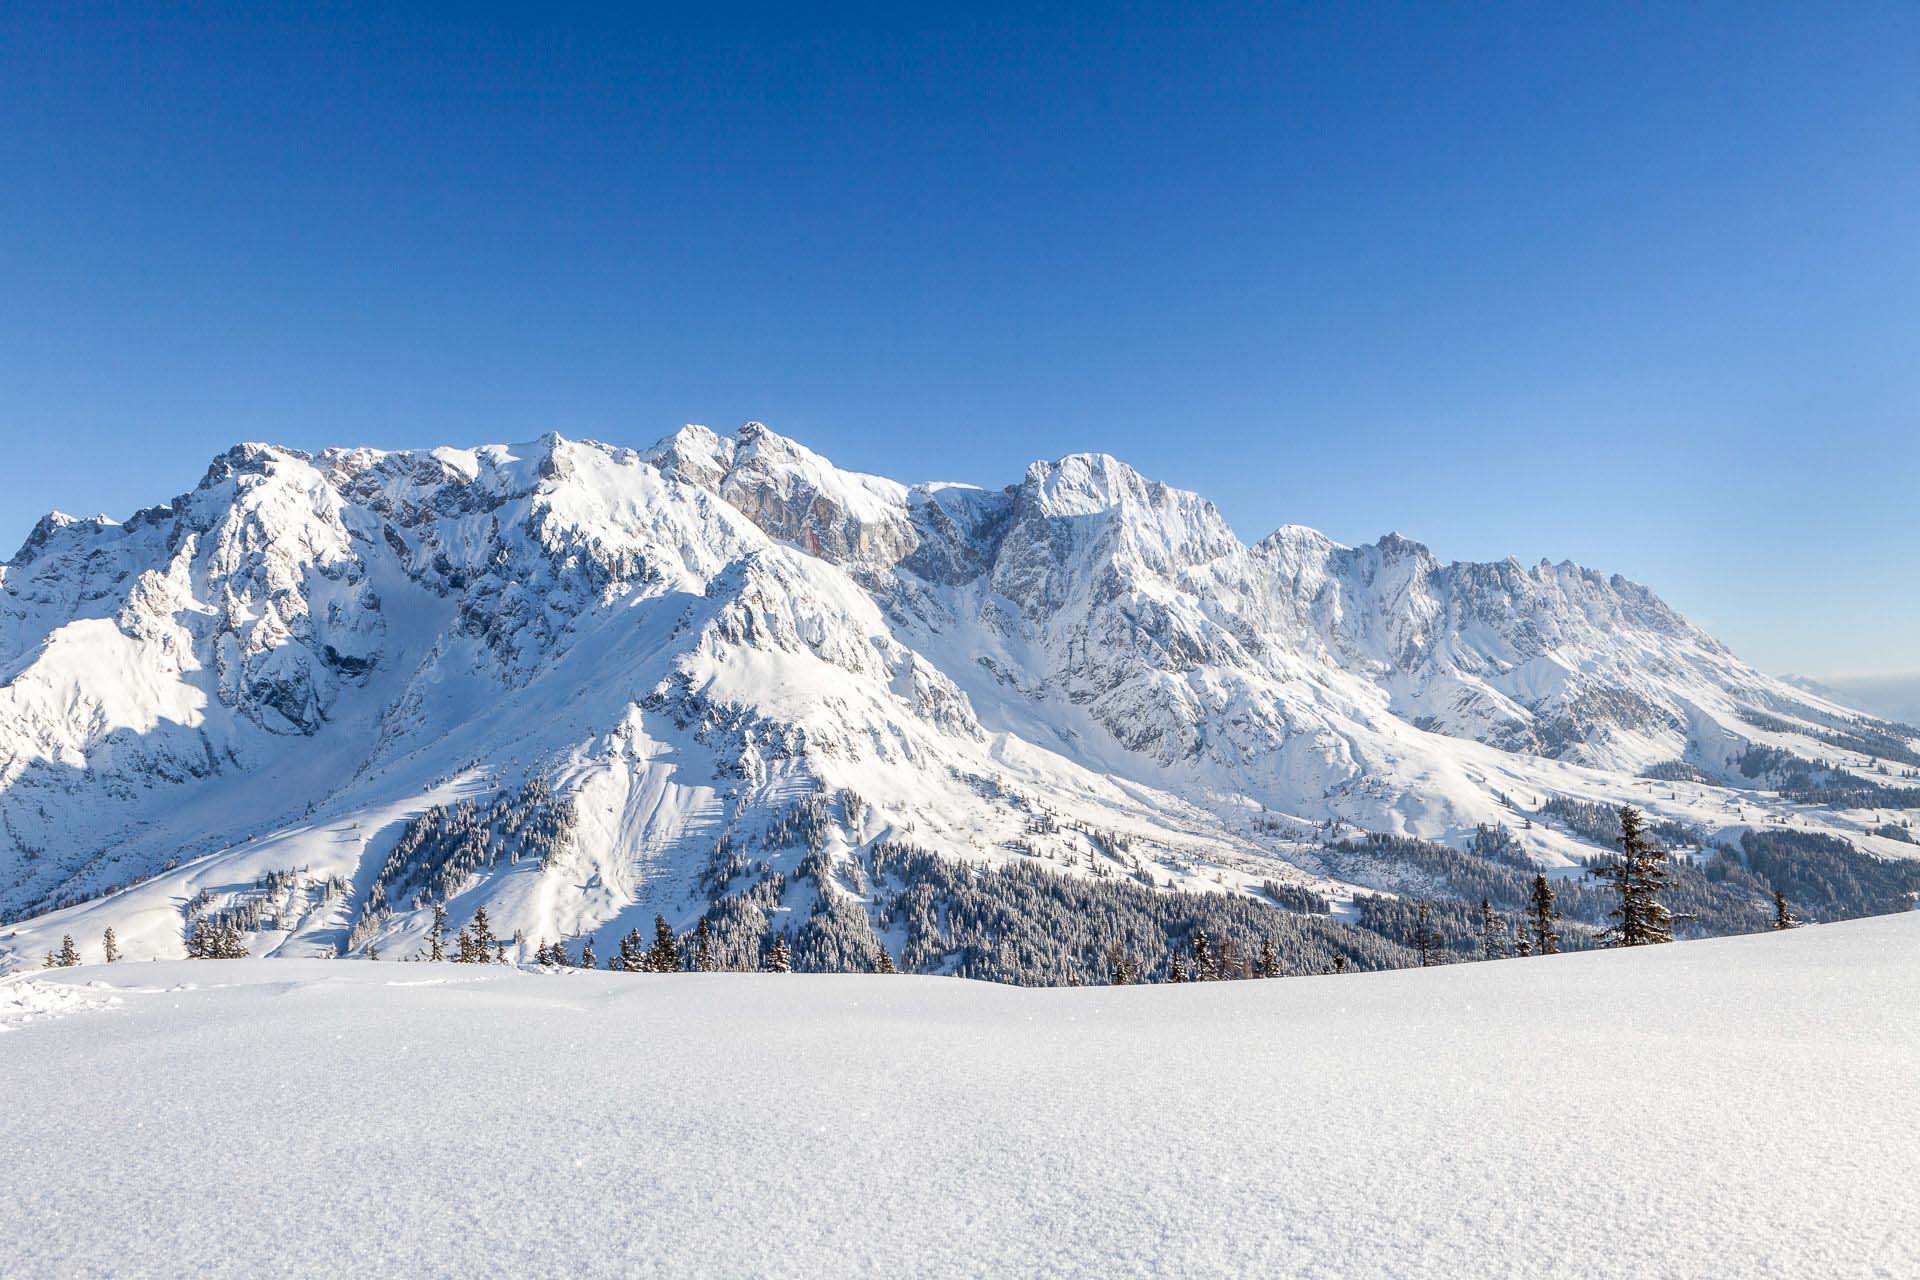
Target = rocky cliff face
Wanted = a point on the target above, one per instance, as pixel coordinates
(305, 653)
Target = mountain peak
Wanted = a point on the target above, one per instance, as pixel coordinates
(50, 526)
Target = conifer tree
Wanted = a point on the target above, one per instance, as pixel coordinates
(1490, 931)
(1425, 940)
(663, 956)
(1783, 917)
(780, 957)
(1638, 874)
(483, 939)
(1269, 964)
(463, 947)
(110, 945)
(1117, 974)
(705, 961)
(586, 954)
(1176, 972)
(221, 942)
(1339, 962)
(1206, 965)
(1543, 919)
(437, 949)
(500, 953)
(883, 963)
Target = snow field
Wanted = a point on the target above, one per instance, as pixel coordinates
(1739, 1107)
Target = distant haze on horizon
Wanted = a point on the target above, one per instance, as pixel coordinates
(1639, 290)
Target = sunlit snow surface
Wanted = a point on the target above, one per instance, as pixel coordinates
(1744, 1107)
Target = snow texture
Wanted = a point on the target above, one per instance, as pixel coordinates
(1730, 1108)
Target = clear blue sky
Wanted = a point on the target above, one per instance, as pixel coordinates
(1637, 285)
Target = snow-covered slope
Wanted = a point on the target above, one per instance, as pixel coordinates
(1731, 1108)
(669, 674)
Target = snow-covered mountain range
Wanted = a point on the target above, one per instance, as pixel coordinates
(662, 676)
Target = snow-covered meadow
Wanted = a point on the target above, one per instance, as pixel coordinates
(1741, 1107)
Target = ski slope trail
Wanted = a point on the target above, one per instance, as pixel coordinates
(1737, 1107)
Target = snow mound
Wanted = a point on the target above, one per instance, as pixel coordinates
(24, 1000)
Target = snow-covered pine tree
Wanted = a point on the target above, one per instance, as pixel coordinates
(1638, 874)
(1116, 964)
(1783, 917)
(1542, 919)
(883, 962)
(1269, 963)
(586, 954)
(663, 956)
(1425, 941)
(1490, 931)
(1176, 971)
(705, 961)
(483, 939)
(110, 945)
(463, 947)
(780, 955)
(499, 953)
(437, 949)
(1206, 966)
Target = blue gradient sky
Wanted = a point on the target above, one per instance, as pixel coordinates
(1626, 284)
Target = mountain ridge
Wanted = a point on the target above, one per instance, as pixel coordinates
(693, 636)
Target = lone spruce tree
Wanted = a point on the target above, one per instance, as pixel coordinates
(1425, 941)
(483, 939)
(1783, 917)
(1638, 875)
(1491, 947)
(110, 945)
(437, 944)
(1542, 919)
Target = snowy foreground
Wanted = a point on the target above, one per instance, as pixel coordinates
(1737, 1107)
